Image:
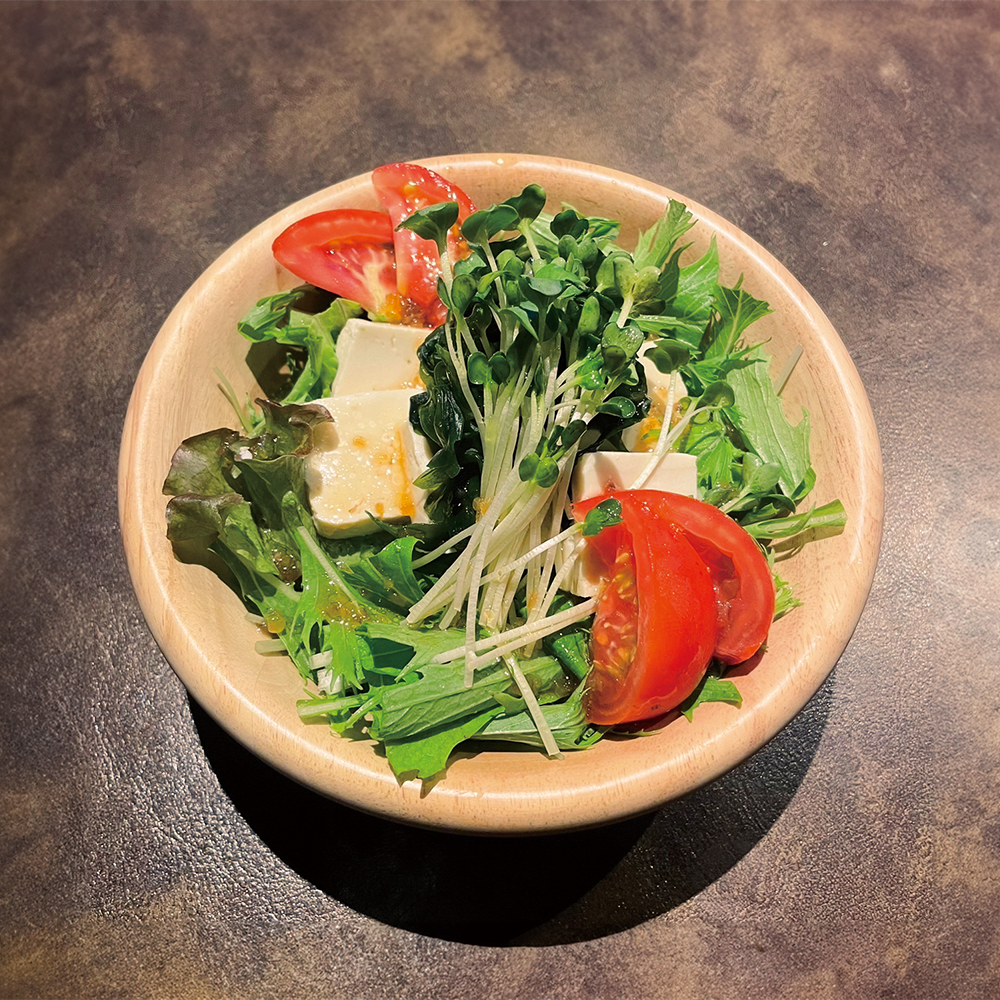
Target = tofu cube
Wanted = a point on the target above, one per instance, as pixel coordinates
(644, 435)
(377, 356)
(366, 460)
(604, 471)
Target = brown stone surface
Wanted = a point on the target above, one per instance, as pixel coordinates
(144, 854)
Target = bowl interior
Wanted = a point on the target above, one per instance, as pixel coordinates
(199, 623)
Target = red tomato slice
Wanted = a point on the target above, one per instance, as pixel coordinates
(403, 188)
(348, 252)
(741, 577)
(654, 631)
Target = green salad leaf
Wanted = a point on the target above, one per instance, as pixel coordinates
(308, 321)
(713, 687)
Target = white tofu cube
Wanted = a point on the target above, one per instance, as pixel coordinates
(366, 460)
(377, 356)
(604, 471)
(644, 435)
(607, 471)
(585, 578)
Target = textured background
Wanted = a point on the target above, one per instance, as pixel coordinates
(144, 854)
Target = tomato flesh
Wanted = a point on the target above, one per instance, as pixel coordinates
(654, 630)
(403, 188)
(657, 627)
(349, 252)
(360, 255)
(741, 576)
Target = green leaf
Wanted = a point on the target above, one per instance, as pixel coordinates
(286, 319)
(551, 279)
(687, 331)
(527, 466)
(767, 430)
(500, 367)
(712, 688)
(202, 465)
(590, 316)
(287, 429)
(463, 291)
(401, 648)
(510, 264)
(709, 441)
(605, 279)
(572, 433)
(568, 222)
(654, 246)
(619, 406)
(566, 721)
(528, 204)
(572, 649)
(192, 517)
(737, 309)
(647, 285)
(830, 518)
(696, 285)
(624, 274)
(545, 287)
(433, 222)
(479, 368)
(266, 471)
(438, 411)
(521, 318)
(784, 597)
(620, 345)
(387, 576)
(606, 514)
(439, 695)
(265, 320)
(546, 472)
(426, 755)
(668, 355)
(717, 394)
(442, 468)
(759, 477)
(479, 227)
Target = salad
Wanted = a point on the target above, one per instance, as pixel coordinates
(508, 482)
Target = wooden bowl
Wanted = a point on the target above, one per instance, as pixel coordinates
(200, 624)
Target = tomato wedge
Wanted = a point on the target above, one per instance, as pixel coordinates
(655, 627)
(349, 252)
(741, 577)
(403, 188)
